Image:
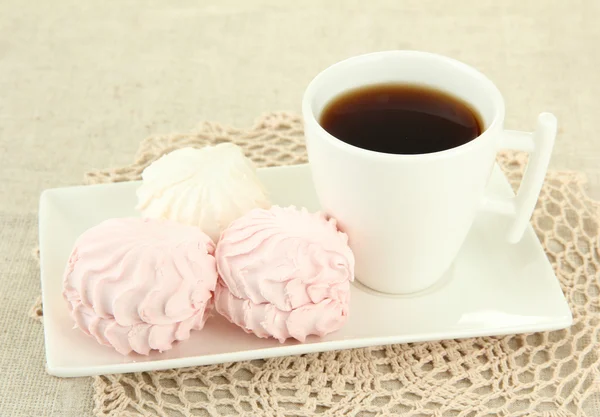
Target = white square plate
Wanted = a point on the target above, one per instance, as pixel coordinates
(494, 288)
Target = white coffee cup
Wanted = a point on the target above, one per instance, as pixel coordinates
(407, 215)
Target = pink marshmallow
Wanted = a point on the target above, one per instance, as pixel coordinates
(285, 273)
(140, 284)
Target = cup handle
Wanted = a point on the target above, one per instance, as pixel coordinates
(539, 145)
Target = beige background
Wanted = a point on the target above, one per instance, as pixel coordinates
(81, 83)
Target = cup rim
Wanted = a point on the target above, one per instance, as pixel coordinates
(310, 119)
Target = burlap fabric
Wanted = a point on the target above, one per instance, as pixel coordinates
(543, 374)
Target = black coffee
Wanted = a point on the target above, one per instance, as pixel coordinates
(401, 119)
